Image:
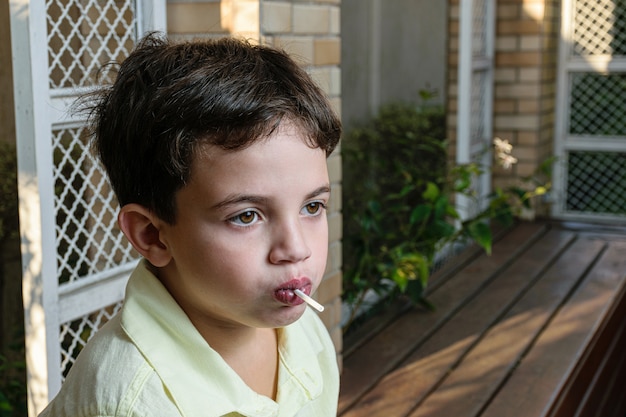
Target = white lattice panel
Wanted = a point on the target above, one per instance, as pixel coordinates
(599, 27)
(85, 34)
(75, 334)
(88, 239)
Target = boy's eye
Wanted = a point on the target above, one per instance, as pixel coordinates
(314, 208)
(245, 218)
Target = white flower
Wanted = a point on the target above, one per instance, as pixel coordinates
(503, 151)
(502, 146)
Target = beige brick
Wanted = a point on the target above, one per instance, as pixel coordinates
(276, 17)
(452, 104)
(335, 103)
(527, 122)
(530, 74)
(454, 12)
(525, 168)
(328, 78)
(506, 134)
(335, 197)
(329, 289)
(301, 48)
(526, 154)
(327, 51)
(335, 224)
(453, 45)
(335, 21)
(504, 106)
(518, 27)
(505, 75)
(518, 59)
(508, 11)
(534, 9)
(506, 43)
(194, 18)
(311, 19)
(517, 91)
(334, 167)
(242, 17)
(530, 43)
(334, 257)
(528, 106)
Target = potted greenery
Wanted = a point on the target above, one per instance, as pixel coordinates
(399, 203)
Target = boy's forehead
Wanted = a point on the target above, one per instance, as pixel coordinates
(205, 150)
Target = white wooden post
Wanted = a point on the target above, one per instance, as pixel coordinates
(30, 72)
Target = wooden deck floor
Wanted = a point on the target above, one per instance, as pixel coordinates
(507, 336)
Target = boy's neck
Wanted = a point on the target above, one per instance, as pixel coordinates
(252, 353)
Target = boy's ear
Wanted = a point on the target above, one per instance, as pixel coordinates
(141, 228)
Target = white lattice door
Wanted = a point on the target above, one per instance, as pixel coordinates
(475, 96)
(75, 260)
(590, 173)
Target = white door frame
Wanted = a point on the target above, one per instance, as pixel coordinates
(568, 64)
(475, 96)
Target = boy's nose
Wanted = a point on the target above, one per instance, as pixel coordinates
(289, 244)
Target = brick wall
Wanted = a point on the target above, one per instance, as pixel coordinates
(525, 81)
(310, 32)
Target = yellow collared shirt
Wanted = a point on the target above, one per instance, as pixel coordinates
(151, 361)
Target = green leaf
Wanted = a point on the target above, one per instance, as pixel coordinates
(420, 213)
(481, 233)
(432, 191)
(441, 207)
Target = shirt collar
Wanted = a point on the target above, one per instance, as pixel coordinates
(199, 380)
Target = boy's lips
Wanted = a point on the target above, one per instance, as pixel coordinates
(285, 292)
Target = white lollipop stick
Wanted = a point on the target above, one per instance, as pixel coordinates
(309, 300)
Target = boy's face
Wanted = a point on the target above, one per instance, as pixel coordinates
(251, 227)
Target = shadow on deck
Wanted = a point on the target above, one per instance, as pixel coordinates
(536, 329)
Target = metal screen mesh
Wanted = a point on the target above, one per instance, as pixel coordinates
(76, 334)
(479, 89)
(85, 34)
(597, 103)
(597, 182)
(479, 35)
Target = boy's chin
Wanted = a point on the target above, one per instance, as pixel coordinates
(289, 315)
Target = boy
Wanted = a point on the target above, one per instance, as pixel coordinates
(217, 153)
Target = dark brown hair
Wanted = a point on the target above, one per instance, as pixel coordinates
(170, 98)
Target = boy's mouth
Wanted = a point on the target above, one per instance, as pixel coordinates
(285, 293)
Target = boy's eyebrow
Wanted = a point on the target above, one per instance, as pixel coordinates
(321, 190)
(256, 199)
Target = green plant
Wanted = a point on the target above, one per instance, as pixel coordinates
(399, 202)
(12, 366)
(12, 388)
(8, 190)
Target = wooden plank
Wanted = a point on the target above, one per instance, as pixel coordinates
(384, 352)
(471, 385)
(592, 378)
(400, 391)
(376, 324)
(600, 385)
(544, 371)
